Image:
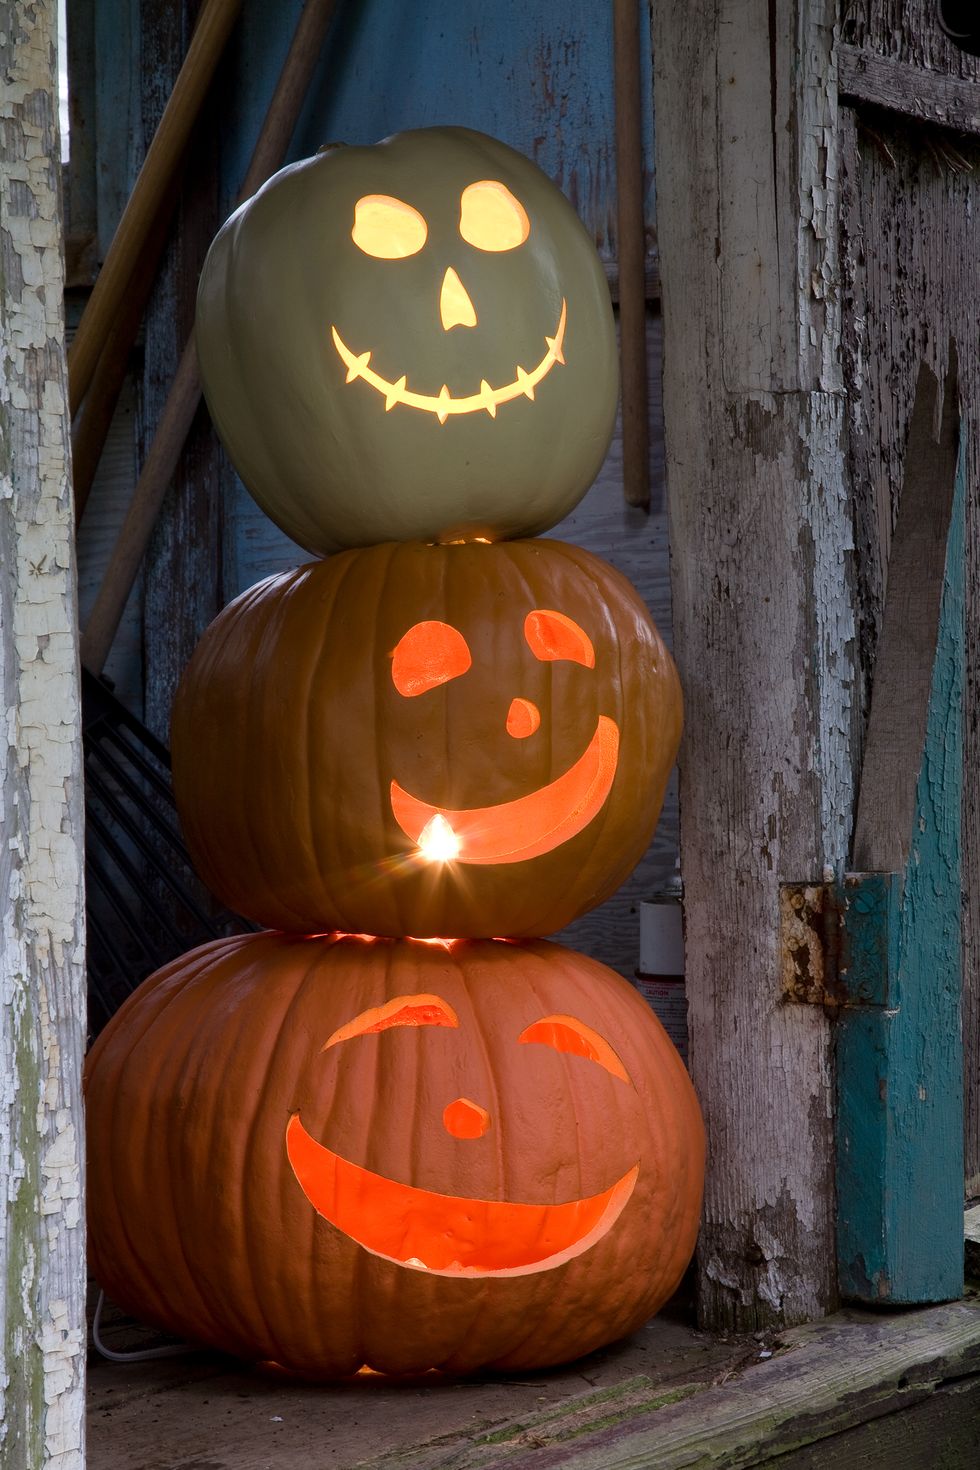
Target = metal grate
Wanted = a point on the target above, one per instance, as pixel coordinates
(145, 904)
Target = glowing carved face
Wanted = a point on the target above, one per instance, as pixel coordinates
(412, 341)
(448, 1235)
(491, 219)
(430, 654)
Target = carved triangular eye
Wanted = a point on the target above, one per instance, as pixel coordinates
(427, 655)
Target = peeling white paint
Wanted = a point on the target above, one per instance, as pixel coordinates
(42, 1332)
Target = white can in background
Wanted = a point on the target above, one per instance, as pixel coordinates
(660, 977)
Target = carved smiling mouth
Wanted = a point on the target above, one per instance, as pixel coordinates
(443, 404)
(446, 1234)
(530, 825)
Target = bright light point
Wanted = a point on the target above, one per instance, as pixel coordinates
(437, 840)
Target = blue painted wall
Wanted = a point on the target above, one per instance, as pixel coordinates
(535, 74)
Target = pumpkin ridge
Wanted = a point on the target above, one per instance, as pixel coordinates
(258, 647)
(272, 1039)
(159, 1309)
(101, 1055)
(322, 869)
(195, 1066)
(390, 571)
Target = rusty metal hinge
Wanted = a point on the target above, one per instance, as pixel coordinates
(839, 940)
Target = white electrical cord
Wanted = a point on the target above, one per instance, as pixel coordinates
(174, 1350)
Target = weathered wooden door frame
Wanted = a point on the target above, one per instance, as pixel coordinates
(766, 604)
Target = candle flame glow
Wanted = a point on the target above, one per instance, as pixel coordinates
(437, 840)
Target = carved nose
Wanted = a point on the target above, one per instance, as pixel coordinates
(455, 306)
(465, 1119)
(523, 718)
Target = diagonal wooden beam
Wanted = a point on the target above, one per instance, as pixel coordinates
(909, 632)
(185, 394)
(149, 193)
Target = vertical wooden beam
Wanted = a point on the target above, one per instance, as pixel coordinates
(631, 250)
(42, 997)
(746, 137)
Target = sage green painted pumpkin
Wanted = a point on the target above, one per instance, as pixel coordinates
(409, 341)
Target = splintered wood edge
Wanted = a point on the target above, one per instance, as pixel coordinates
(971, 1242)
(825, 1378)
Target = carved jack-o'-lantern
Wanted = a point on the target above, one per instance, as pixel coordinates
(413, 340)
(330, 1152)
(426, 740)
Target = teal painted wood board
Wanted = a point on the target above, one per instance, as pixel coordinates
(899, 1047)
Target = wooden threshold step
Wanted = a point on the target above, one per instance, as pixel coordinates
(858, 1389)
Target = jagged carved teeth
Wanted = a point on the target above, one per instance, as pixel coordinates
(442, 404)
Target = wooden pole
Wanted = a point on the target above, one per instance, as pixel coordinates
(182, 403)
(155, 177)
(764, 630)
(42, 962)
(631, 245)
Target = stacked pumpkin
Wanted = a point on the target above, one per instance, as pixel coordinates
(383, 1134)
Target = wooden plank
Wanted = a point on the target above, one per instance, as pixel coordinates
(911, 227)
(942, 1431)
(931, 97)
(182, 588)
(763, 629)
(42, 996)
(906, 31)
(822, 1380)
(118, 124)
(667, 1397)
(900, 1062)
(903, 671)
(190, 1412)
(81, 214)
(631, 239)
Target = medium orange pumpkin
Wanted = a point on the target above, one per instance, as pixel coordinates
(337, 1151)
(426, 740)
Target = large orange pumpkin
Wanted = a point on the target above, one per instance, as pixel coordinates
(333, 1152)
(426, 740)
